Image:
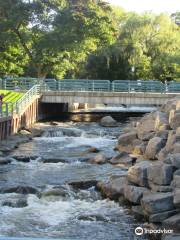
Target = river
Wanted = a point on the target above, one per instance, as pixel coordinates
(56, 209)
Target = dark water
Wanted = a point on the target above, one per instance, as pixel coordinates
(75, 214)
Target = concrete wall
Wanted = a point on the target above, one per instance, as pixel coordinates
(107, 98)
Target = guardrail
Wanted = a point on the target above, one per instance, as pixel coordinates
(92, 85)
(7, 109)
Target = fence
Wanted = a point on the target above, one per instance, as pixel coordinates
(92, 85)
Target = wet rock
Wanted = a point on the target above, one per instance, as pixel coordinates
(122, 158)
(53, 160)
(138, 173)
(171, 237)
(157, 202)
(125, 142)
(84, 184)
(173, 222)
(160, 174)
(20, 189)
(24, 132)
(18, 201)
(133, 193)
(93, 150)
(138, 212)
(113, 189)
(108, 121)
(154, 146)
(54, 123)
(160, 217)
(92, 217)
(24, 158)
(4, 161)
(99, 159)
(56, 191)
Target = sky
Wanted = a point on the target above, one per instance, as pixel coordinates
(157, 6)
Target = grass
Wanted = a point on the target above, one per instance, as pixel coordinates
(10, 97)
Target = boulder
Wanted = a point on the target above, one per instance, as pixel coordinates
(138, 173)
(4, 161)
(160, 217)
(173, 138)
(16, 201)
(24, 158)
(174, 159)
(146, 126)
(139, 149)
(154, 146)
(160, 174)
(24, 132)
(162, 134)
(113, 189)
(174, 119)
(157, 202)
(161, 121)
(133, 193)
(55, 191)
(160, 188)
(169, 105)
(20, 190)
(176, 181)
(122, 158)
(177, 197)
(125, 142)
(108, 121)
(99, 159)
(173, 222)
(162, 155)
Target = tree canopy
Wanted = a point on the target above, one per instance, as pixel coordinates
(86, 39)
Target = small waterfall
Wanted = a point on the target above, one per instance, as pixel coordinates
(53, 133)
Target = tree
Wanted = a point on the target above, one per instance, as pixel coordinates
(52, 32)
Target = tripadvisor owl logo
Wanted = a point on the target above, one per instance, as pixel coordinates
(139, 231)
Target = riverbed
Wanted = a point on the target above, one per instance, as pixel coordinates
(52, 207)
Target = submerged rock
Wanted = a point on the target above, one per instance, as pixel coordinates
(24, 158)
(108, 121)
(4, 161)
(17, 201)
(93, 217)
(83, 184)
(20, 189)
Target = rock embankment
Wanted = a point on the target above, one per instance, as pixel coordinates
(151, 149)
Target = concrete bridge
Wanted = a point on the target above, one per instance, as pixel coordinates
(131, 98)
(52, 97)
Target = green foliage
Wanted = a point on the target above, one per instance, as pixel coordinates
(88, 39)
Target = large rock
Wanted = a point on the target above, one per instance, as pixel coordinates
(133, 193)
(174, 159)
(160, 217)
(122, 158)
(176, 181)
(161, 121)
(108, 121)
(146, 126)
(113, 189)
(157, 202)
(99, 159)
(173, 222)
(173, 138)
(154, 146)
(177, 197)
(162, 155)
(4, 161)
(160, 188)
(174, 119)
(138, 173)
(139, 149)
(160, 174)
(126, 142)
(172, 104)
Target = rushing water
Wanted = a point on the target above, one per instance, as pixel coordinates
(58, 210)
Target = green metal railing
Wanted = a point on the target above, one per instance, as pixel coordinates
(7, 109)
(22, 84)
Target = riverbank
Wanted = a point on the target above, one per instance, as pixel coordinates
(150, 149)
